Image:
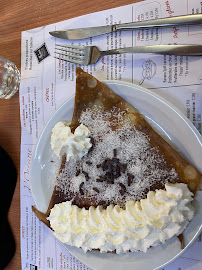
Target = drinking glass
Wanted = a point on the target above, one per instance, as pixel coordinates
(9, 78)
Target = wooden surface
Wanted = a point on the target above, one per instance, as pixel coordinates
(18, 16)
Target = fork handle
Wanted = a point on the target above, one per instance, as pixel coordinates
(190, 50)
(164, 22)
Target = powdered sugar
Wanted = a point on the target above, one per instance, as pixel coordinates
(146, 167)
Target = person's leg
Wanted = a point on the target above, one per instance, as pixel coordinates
(8, 177)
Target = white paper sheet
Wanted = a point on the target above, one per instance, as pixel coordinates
(46, 83)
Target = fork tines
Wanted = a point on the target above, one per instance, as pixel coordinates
(71, 53)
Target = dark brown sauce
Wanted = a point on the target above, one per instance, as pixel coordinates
(181, 239)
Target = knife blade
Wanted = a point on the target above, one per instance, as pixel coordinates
(82, 33)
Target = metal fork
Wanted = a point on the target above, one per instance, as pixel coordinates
(87, 55)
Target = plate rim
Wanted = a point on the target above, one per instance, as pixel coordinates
(160, 99)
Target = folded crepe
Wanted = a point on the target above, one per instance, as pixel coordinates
(94, 96)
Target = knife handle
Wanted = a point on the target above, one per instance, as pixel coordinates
(189, 50)
(164, 22)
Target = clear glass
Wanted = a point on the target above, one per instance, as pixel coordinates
(9, 78)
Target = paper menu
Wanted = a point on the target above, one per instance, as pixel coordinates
(46, 83)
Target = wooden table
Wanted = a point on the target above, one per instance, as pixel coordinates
(17, 16)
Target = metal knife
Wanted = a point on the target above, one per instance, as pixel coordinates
(82, 33)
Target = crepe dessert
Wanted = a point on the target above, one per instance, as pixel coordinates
(121, 187)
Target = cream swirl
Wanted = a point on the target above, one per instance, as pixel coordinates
(74, 145)
(163, 214)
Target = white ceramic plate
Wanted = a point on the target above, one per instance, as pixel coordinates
(174, 127)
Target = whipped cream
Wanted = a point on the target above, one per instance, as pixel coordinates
(74, 145)
(142, 224)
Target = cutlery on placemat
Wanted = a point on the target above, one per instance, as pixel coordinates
(86, 55)
(81, 33)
